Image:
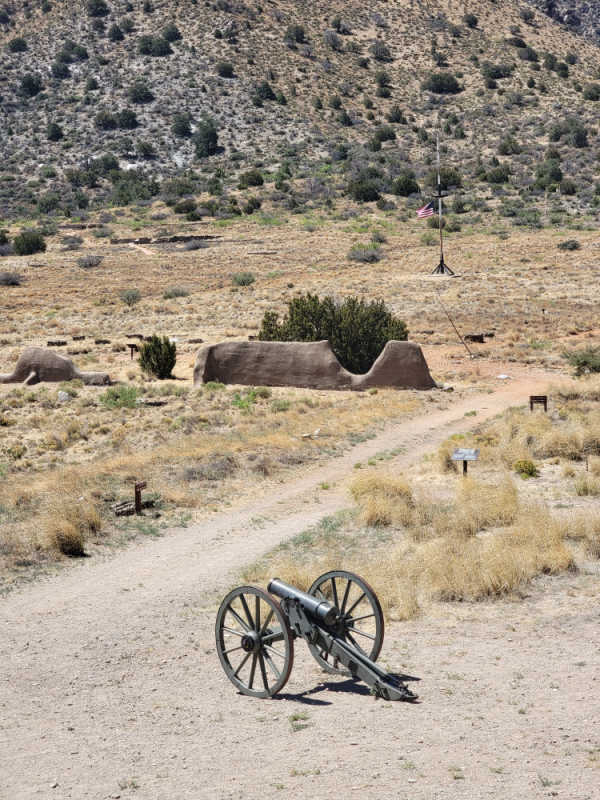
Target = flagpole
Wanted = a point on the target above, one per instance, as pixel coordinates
(442, 268)
(439, 187)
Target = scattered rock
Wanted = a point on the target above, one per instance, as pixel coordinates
(63, 397)
(475, 337)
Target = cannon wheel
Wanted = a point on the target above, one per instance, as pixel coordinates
(361, 622)
(254, 641)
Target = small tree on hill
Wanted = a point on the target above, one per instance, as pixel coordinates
(158, 356)
(442, 83)
(206, 138)
(30, 85)
(97, 8)
(29, 242)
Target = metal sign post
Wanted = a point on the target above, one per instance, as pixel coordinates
(465, 455)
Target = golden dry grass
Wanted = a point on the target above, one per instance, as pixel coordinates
(445, 538)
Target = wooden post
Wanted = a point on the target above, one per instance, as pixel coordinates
(465, 468)
(138, 496)
(538, 399)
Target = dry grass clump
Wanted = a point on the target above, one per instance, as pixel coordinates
(587, 388)
(480, 506)
(383, 499)
(587, 486)
(65, 527)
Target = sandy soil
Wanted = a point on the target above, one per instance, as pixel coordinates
(111, 688)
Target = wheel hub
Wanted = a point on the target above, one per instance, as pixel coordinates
(251, 642)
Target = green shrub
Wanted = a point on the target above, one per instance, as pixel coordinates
(396, 115)
(30, 85)
(206, 138)
(441, 83)
(366, 253)
(568, 186)
(295, 34)
(253, 204)
(585, 361)
(509, 146)
(252, 177)
(174, 292)
(265, 92)
(181, 126)
(357, 331)
(140, 93)
(131, 296)
(569, 244)
(60, 71)
(48, 202)
(470, 20)
(405, 184)
(525, 468)
(380, 51)
(120, 397)
(365, 186)
(115, 33)
(158, 356)
(105, 121)
(243, 278)
(499, 174)
(548, 173)
(17, 45)
(154, 46)
(97, 8)
(449, 177)
(592, 92)
(185, 206)
(171, 33)
(126, 119)
(225, 69)
(29, 242)
(54, 132)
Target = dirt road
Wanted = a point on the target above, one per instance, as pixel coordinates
(110, 686)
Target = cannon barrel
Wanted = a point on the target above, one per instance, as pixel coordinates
(320, 610)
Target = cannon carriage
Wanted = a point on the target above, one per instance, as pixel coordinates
(340, 619)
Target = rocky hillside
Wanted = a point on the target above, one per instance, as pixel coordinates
(107, 101)
(581, 16)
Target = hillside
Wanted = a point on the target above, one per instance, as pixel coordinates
(315, 95)
(581, 16)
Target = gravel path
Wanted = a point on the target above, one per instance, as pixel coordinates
(110, 686)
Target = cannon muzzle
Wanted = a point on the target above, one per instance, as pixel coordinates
(319, 610)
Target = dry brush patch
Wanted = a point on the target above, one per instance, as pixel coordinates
(209, 448)
(439, 537)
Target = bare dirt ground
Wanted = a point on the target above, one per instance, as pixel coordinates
(111, 686)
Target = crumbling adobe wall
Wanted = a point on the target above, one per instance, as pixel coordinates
(312, 365)
(37, 364)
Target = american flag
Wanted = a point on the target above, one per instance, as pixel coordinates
(426, 211)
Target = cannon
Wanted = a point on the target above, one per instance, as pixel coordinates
(340, 619)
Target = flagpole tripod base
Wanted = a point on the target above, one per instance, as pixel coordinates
(443, 269)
